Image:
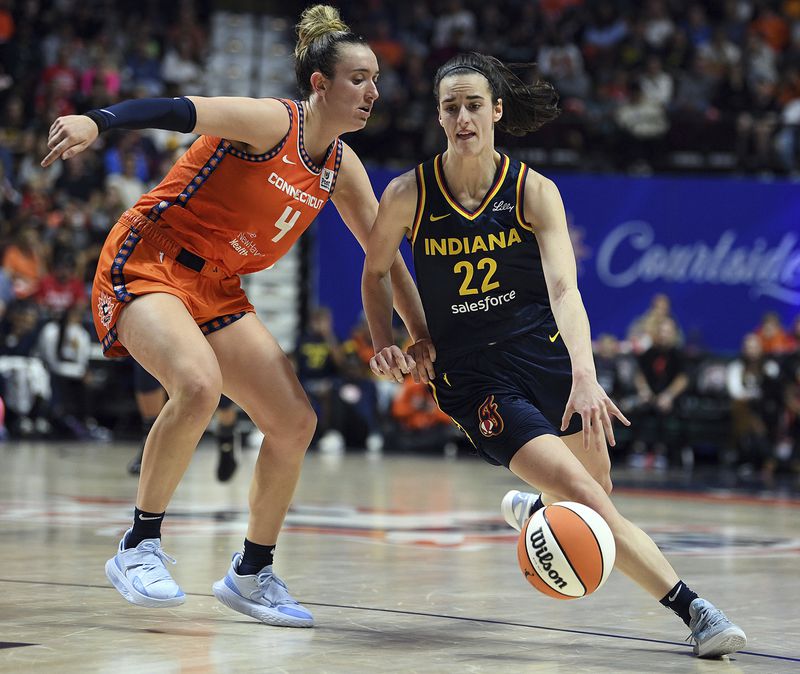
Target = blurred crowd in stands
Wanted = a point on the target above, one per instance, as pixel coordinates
(59, 58)
(645, 84)
(639, 81)
(686, 405)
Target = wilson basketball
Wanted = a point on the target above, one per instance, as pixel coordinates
(566, 550)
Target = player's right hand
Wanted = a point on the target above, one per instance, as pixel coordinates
(392, 363)
(424, 355)
(69, 136)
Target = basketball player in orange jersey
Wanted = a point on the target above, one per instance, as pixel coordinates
(167, 289)
(509, 333)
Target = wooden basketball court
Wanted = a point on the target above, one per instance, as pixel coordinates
(405, 562)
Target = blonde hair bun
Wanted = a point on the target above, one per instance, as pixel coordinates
(316, 22)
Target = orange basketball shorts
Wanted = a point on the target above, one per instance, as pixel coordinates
(131, 266)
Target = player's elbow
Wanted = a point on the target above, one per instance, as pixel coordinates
(561, 290)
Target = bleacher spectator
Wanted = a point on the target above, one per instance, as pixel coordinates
(657, 84)
(24, 381)
(658, 25)
(643, 329)
(420, 424)
(318, 357)
(6, 293)
(355, 413)
(128, 184)
(643, 125)
(662, 378)
(774, 338)
(787, 449)
(63, 345)
(182, 69)
(24, 262)
(78, 179)
(62, 288)
(611, 368)
(752, 381)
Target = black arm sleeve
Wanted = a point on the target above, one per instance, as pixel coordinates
(172, 114)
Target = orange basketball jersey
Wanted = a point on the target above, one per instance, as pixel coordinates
(242, 212)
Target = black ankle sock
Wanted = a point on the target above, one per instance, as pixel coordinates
(145, 525)
(538, 505)
(255, 558)
(678, 599)
(225, 438)
(226, 463)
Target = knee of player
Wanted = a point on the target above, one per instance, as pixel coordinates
(307, 426)
(200, 393)
(588, 493)
(297, 431)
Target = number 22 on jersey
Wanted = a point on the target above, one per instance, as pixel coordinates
(469, 273)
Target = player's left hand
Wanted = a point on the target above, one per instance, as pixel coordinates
(392, 363)
(588, 399)
(68, 136)
(424, 355)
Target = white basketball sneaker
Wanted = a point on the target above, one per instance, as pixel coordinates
(140, 574)
(713, 634)
(516, 507)
(262, 596)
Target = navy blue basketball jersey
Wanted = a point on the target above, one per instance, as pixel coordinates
(479, 273)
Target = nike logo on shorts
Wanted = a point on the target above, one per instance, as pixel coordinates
(553, 338)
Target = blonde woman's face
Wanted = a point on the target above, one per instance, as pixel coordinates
(467, 114)
(751, 346)
(353, 90)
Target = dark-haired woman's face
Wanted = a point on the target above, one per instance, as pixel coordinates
(467, 114)
(353, 90)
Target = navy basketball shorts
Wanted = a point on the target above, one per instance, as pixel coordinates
(507, 394)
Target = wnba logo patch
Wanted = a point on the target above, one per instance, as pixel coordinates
(490, 422)
(326, 180)
(105, 309)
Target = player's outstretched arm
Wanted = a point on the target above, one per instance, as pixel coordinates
(356, 203)
(544, 208)
(259, 123)
(394, 220)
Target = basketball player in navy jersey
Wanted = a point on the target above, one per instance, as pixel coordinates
(508, 330)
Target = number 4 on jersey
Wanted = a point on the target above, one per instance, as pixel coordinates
(285, 223)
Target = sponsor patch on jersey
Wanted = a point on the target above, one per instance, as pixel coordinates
(490, 422)
(501, 205)
(105, 309)
(326, 179)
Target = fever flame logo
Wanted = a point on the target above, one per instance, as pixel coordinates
(490, 422)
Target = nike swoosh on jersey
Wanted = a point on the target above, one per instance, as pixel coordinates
(553, 338)
(286, 160)
(434, 218)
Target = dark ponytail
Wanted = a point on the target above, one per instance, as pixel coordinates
(526, 107)
(320, 31)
